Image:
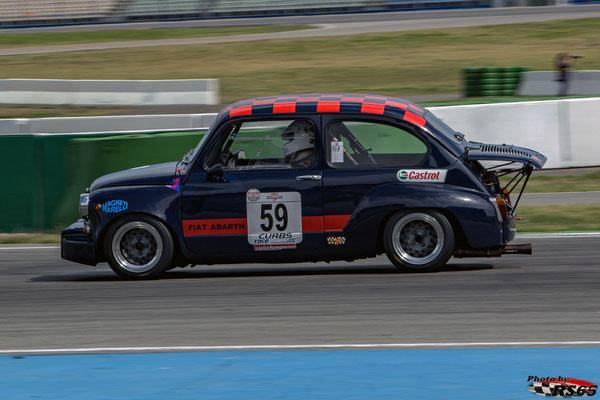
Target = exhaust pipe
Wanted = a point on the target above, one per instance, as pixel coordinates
(494, 251)
(517, 249)
(487, 252)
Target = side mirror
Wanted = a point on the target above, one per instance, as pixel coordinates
(215, 172)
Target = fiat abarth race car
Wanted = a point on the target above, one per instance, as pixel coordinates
(309, 178)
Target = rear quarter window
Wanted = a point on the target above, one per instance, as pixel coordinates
(373, 144)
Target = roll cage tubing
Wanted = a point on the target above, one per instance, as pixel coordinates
(232, 135)
(523, 172)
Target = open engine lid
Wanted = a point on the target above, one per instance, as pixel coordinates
(505, 152)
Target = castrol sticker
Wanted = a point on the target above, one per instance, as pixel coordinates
(422, 175)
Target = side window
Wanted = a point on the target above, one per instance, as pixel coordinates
(258, 145)
(361, 143)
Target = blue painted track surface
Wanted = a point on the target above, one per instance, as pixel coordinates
(339, 374)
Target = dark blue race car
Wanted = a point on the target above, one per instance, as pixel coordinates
(309, 178)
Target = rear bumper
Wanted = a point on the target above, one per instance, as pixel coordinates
(77, 246)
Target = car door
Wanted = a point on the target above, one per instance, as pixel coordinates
(264, 192)
(363, 153)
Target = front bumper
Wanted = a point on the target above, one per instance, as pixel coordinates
(76, 245)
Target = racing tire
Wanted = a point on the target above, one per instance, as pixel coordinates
(138, 247)
(419, 241)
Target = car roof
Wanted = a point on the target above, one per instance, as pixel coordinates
(328, 103)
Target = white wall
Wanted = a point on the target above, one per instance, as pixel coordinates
(109, 93)
(544, 83)
(121, 123)
(565, 131)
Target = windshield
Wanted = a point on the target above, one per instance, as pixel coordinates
(192, 153)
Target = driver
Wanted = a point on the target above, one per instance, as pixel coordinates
(299, 151)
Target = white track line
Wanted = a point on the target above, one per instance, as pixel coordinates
(299, 347)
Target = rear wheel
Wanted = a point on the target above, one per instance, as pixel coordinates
(138, 246)
(420, 241)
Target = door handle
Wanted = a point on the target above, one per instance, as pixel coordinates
(308, 178)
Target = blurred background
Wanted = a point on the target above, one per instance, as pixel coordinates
(92, 87)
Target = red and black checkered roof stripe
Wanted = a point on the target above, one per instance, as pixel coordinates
(346, 103)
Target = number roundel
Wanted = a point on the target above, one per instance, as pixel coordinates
(274, 218)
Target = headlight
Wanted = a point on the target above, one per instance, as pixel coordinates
(84, 201)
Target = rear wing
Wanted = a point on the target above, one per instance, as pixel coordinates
(505, 152)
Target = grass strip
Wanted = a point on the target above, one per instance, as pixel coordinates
(568, 183)
(12, 40)
(544, 183)
(559, 218)
(47, 112)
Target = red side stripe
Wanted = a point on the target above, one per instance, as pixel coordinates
(237, 226)
(372, 108)
(244, 110)
(312, 224)
(414, 118)
(284, 107)
(328, 106)
(336, 222)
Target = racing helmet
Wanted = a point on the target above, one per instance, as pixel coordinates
(300, 135)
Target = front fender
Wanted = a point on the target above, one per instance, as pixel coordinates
(108, 204)
(472, 210)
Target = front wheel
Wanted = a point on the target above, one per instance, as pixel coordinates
(419, 241)
(138, 246)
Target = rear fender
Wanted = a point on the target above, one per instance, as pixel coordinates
(471, 210)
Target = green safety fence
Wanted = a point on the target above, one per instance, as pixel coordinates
(43, 175)
(492, 81)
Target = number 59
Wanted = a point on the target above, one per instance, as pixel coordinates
(280, 213)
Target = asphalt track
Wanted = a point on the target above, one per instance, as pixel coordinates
(551, 296)
(326, 25)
